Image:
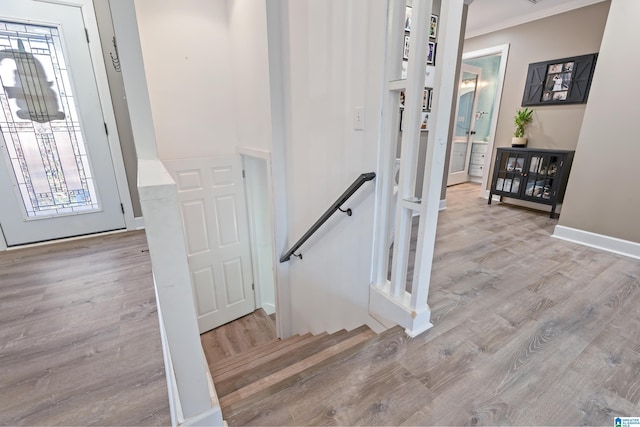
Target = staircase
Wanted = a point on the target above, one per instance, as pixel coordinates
(245, 379)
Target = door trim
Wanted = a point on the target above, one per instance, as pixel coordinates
(99, 69)
(503, 51)
(281, 298)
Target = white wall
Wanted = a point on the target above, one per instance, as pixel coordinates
(188, 63)
(336, 58)
(210, 84)
(250, 68)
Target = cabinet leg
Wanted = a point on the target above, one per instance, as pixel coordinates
(490, 197)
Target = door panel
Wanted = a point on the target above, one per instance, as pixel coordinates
(464, 125)
(56, 175)
(213, 207)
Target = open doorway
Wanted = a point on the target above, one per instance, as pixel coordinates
(481, 80)
(257, 181)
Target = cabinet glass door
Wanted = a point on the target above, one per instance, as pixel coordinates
(541, 176)
(510, 172)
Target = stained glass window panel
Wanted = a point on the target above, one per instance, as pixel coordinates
(39, 123)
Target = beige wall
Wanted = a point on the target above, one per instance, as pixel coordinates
(602, 195)
(568, 34)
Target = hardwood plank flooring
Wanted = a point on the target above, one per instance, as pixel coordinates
(80, 342)
(528, 330)
(237, 337)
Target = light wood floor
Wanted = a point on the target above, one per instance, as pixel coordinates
(79, 336)
(239, 336)
(528, 330)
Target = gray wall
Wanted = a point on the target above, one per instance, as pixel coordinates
(568, 34)
(119, 100)
(602, 195)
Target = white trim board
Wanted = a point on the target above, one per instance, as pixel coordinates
(139, 223)
(598, 241)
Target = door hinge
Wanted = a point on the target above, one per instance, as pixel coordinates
(86, 33)
(106, 129)
(244, 175)
(122, 208)
(253, 286)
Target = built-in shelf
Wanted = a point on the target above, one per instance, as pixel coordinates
(412, 203)
(398, 84)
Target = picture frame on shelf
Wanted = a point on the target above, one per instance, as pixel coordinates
(431, 53)
(433, 27)
(560, 81)
(407, 18)
(425, 99)
(429, 76)
(430, 100)
(425, 125)
(405, 50)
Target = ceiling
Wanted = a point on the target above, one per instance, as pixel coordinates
(486, 16)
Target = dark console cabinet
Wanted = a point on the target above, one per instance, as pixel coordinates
(530, 174)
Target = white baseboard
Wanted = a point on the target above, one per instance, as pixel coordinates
(139, 221)
(269, 308)
(598, 241)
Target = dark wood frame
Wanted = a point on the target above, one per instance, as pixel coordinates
(580, 81)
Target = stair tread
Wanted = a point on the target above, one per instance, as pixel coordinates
(244, 374)
(378, 352)
(231, 362)
(276, 380)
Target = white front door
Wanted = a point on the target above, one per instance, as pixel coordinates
(464, 124)
(214, 217)
(56, 174)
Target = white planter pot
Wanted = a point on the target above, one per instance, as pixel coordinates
(518, 142)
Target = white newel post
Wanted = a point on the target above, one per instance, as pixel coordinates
(388, 299)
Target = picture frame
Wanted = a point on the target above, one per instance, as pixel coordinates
(425, 99)
(431, 53)
(407, 18)
(433, 26)
(430, 100)
(405, 50)
(559, 81)
(429, 76)
(425, 125)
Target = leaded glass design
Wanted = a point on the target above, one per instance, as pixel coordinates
(40, 125)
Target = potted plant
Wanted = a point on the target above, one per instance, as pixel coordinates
(523, 117)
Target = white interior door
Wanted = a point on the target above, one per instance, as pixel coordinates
(464, 124)
(56, 174)
(214, 216)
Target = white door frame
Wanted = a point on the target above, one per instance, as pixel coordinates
(503, 51)
(95, 50)
(463, 175)
(281, 298)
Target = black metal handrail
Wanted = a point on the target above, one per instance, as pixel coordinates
(325, 216)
